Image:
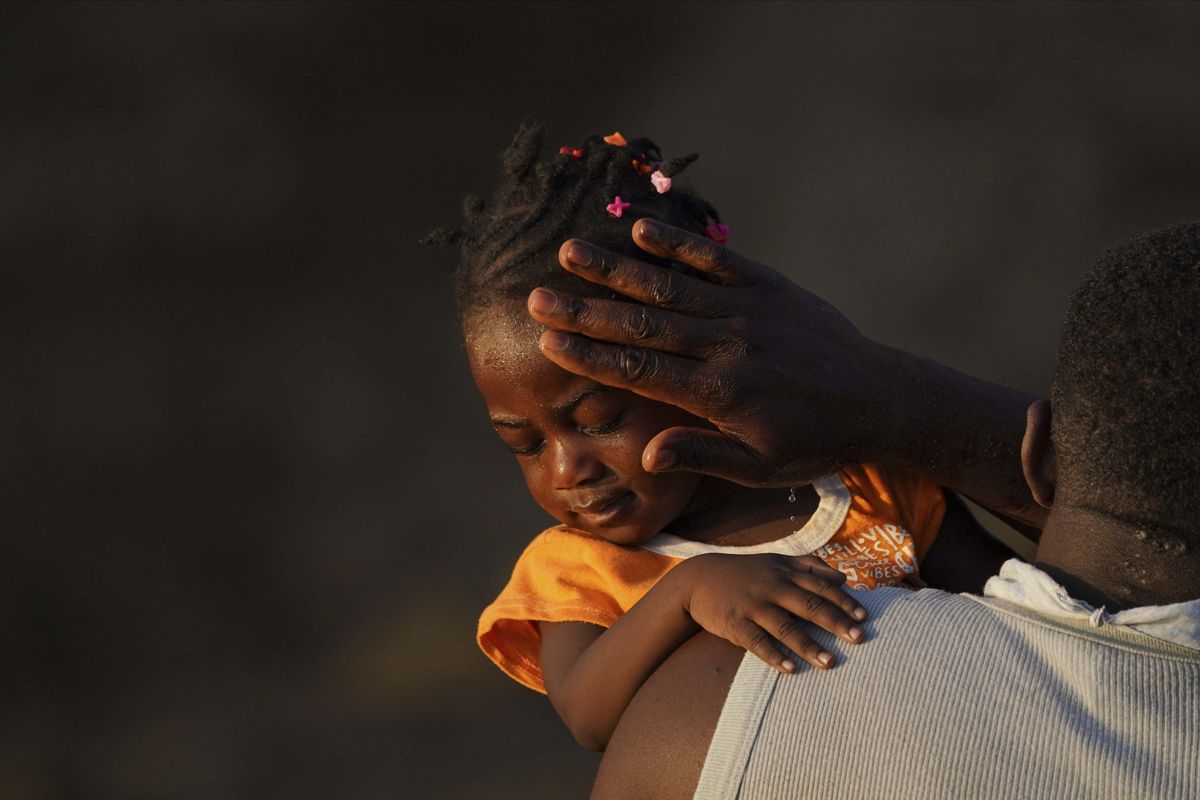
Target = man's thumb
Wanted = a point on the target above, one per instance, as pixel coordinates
(704, 451)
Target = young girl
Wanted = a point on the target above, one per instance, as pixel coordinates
(640, 561)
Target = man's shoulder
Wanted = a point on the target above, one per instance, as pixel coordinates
(887, 597)
(911, 610)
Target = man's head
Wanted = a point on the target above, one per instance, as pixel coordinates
(1125, 419)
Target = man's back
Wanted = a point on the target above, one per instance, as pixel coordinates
(958, 696)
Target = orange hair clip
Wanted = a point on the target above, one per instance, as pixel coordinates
(642, 169)
(616, 138)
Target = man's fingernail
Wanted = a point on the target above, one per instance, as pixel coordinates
(650, 231)
(854, 634)
(825, 658)
(580, 254)
(554, 340)
(543, 302)
(788, 666)
(665, 459)
(860, 614)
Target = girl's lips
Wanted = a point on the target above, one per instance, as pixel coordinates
(607, 512)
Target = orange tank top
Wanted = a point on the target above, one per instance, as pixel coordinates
(873, 523)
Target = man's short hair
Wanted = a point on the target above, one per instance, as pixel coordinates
(1126, 396)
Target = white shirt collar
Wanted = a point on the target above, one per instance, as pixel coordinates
(825, 522)
(1026, 585)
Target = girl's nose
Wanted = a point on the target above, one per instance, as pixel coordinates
(574, 463)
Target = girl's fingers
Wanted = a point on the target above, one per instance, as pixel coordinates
(787, 629)
(833, 590)
(818, 602)
(655, 286)
(724, 265)
(621, 323)
(750, 636)
(818, 567)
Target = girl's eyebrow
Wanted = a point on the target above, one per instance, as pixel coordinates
(563, 408)
(570, 405)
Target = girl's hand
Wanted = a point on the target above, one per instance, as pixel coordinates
(756, 602)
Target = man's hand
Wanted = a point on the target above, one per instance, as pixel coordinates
(790, 387)
(760, 358)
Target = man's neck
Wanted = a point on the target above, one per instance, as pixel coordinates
(1107, 562)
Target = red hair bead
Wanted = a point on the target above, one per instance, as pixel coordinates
(717, 232)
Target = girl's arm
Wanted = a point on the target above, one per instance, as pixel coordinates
(753, 601)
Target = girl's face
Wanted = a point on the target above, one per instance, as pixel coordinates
(579, 443)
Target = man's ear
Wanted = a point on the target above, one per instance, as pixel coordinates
(1037, 454)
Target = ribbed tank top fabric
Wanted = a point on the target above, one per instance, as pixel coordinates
(954, 696)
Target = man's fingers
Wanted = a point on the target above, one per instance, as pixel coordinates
(621, 323)
(659, 376)
(704, 451)
(724, 265)
(646, 283)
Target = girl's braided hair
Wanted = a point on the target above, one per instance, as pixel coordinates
(510, 241)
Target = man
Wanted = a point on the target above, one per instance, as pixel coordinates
(1079, 677)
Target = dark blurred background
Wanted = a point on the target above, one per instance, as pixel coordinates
(251, 505)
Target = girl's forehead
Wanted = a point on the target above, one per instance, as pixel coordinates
(503, 328)
(510, 370)
(505, 344)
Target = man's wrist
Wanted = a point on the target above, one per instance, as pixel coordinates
(900, 417)
(962, 432)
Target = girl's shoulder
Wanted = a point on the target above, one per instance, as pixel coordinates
(562, 543)
(888, 482)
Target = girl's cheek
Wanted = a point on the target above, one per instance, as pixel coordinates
(534, 482)
(632, 440)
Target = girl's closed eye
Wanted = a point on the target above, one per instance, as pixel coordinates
(531, 449)
(605, 427)
(601, 413)
(520, 439)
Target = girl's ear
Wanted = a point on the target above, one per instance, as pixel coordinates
(1037, 454)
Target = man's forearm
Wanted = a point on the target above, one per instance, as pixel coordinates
(791, 388)
(963, 432)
